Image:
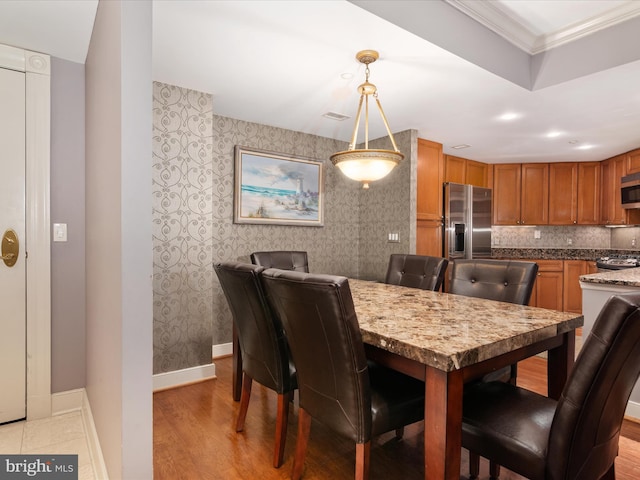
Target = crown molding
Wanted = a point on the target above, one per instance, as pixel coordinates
(500, 21)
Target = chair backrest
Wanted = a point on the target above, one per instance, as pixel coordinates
(417, 271)
(282, 259)
(502, 280)
(322, 329)
(583, 441)
(265, 352)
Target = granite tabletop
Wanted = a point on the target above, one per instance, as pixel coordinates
(449, 331)
(629, 277)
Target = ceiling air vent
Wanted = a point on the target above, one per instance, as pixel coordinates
(459, 147)
(336, 116)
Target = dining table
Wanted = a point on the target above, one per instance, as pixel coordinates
(447, 340)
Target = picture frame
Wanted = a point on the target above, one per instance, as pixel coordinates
(277, 189)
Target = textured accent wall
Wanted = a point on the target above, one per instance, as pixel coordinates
(182, 228)
(193, 187)
(389, 206)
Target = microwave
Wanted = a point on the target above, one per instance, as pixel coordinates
(630, 191)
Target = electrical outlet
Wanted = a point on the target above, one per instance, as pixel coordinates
(536, 234)
(569, 241)
(633, 242)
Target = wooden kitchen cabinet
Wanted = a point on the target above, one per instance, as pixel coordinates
(470, 172)
(611, 211)
(574, 193)
(588, 193)
(572, 293)
(520, 194)
(563, 199)
(548, 289)
(633, 161)
(429, 211)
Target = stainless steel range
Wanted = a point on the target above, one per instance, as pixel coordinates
(617, 262)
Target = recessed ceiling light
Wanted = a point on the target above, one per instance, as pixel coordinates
(553, 134)
(336, 116)
(347, 76)
(461, 146)
(506, 117)
(585, 147)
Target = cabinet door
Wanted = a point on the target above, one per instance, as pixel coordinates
(572, 293)
(633, 161)
(506, 194)
(549, 290)
(430, 177)
(429, 198)
(429, 238)
(478, 174)
(588, 193)
(563, 193)
(607, 189)
(455, 169)
(535, 194)
(548, 286)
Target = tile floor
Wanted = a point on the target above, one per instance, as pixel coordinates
(61, 434)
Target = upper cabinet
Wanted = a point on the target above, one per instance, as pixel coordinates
(574, 193)
(633, 161)
(520, 194)
(429, 198)
(463, 170)
(611, 211)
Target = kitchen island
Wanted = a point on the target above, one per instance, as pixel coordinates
(597, 288)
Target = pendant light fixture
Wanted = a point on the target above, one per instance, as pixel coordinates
(367, 164)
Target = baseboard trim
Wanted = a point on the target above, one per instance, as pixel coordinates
(186, 376)
(99, 467)
(77, 401)
(222, 350)
(65, 402)
(633, 411)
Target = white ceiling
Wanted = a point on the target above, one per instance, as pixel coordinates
(572, 67)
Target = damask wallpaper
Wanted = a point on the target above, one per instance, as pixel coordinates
(193, 178)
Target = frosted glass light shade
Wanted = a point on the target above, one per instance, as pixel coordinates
(366, 165)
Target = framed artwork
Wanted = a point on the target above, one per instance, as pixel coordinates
(277, 189)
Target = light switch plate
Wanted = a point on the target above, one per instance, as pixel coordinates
(59, 232)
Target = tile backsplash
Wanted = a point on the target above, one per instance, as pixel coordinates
(566, 237)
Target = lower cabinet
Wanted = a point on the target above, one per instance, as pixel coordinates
(557, 285)
(547, 291)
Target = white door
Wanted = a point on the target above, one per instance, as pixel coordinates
(12, 217)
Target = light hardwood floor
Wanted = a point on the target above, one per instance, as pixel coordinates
(194, 438)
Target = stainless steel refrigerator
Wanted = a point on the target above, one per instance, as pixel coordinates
(467, 221)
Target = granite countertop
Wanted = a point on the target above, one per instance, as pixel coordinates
(448, 331)
(629, 277)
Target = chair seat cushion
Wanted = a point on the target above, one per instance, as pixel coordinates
(508, 425)
(396, 399)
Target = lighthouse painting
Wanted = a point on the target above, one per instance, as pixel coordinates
(274, 188)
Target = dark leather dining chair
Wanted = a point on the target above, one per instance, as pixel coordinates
(501, 280)
(575, 437)
(336, 386)
(265, 352)
(416, 271)
(282, 259)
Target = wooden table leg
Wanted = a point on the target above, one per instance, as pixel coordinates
(442, 424)
(559, 364)
(237, 367)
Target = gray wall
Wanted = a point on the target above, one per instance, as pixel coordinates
(118, 236)
(193, 188)
(67, 206)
